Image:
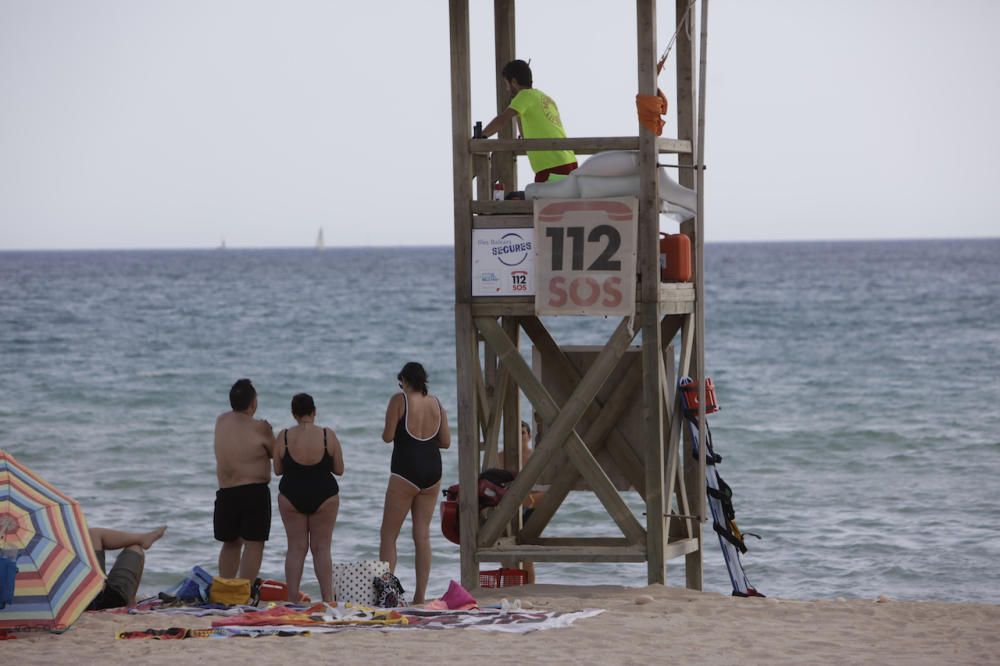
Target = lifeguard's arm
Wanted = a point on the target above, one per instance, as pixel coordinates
(279, 453)
(502, 120)
(392, 413)
(444, 438)
(336, 452)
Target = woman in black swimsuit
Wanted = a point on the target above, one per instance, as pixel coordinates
(417, 426)
(307, 456)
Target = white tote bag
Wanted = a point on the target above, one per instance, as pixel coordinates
(354, 581)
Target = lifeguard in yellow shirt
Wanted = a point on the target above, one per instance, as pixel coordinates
(538, 116)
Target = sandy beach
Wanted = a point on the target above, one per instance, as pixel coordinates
(695, 627)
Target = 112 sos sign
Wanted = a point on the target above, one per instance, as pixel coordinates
(585, 256)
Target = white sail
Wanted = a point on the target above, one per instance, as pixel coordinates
(319, 240)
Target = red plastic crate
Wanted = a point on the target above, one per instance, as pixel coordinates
(502, 578)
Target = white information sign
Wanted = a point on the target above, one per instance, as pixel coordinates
(503, 262)
(585, 256)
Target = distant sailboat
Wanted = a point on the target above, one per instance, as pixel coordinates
(222, 244)
(319, 240)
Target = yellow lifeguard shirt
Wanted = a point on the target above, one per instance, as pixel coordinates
(539, 117)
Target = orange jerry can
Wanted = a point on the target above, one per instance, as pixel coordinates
(675, 258)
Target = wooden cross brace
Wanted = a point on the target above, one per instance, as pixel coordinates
(601, 432)
(560, 433)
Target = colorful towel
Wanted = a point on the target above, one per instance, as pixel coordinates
(338, 619)
(174, 633)
(302, 620)
(316, 615)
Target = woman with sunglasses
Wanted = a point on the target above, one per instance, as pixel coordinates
(417, 426)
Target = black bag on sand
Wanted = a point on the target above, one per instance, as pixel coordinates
(389, 591)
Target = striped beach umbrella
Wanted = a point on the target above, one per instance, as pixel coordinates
(58, 573)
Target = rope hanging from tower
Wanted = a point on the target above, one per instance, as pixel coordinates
(652, 108)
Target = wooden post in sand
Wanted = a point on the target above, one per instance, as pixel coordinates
(687, 129)
(593, 435)
(465, 334)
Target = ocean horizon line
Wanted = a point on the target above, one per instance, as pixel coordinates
(334, 248)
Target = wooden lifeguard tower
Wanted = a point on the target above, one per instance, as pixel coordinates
(578, 406)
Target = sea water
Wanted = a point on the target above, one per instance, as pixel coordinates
(859, 384)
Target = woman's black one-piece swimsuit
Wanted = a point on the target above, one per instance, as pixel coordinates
(415, 460)
(308, 486)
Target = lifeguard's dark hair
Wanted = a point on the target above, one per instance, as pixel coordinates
(526, 426)
(519, 71)
(415, 376)
(303, 405)
(241, 395)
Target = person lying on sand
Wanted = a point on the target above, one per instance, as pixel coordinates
(123, 580)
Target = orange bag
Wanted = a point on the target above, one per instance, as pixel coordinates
(650, 108)
(276, 590)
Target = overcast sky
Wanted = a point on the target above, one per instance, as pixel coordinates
(176, 123)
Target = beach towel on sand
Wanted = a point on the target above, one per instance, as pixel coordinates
(322, 619)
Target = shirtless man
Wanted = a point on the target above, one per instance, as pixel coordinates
(243, 450)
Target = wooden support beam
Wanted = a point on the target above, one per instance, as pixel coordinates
(631, 553)
(584, 553)
(649, 276)
(699, 256)
(672, 302)
(684, 104)
(561, 542)
(687, 475)
(465, 333)
(601, 433)
(672, 410)
(696, 495)
(481, 172)
(687, 130)
(560, 433)
(461, 130)
(681, 547)
(580, 145)
(690, 527)
(482, 399)
(511, 412)
(601, 429)
(502, 222)
(675, 480)
(687, 346)
(492, 457)
(687, 482)
(684, 49)
(649, 209)
(505, 45)
(468, 443)
(498, 306)
(596, 438)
